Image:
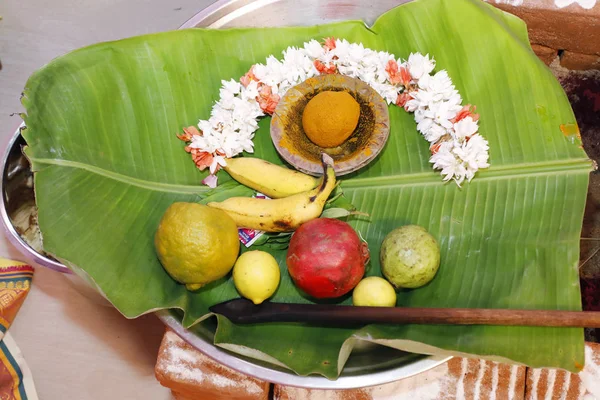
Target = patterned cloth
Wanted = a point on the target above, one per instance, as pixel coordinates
(15, 378)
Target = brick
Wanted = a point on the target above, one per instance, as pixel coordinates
(543, 383)
(192, 375)
(572, 28)
(546, 54)
(459, 378)
(578, 61)
(292, 393)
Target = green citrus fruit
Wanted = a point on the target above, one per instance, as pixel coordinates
(410, 257)
(256, 275)
(374, 292)
(196, 244)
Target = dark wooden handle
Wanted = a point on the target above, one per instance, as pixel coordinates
(242, 311)
(451, 316)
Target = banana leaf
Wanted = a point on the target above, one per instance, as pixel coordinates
(101, 124)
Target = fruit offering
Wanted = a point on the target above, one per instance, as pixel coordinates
(326, 258)
(256, 275)
(410, 257)
(196, 244)
(271, 179)
(285, 214)
(374, 292)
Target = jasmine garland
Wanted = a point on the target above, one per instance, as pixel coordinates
(451, 129)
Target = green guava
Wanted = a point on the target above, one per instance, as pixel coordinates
(410, 257)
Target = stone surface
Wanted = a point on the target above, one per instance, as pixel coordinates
(192, 375)
(572, 27)
(578, 61)
(546, 54)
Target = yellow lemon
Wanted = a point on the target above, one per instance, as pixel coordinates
(374, 292)
(256, 275)
(196, 244)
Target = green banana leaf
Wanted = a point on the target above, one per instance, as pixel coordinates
(101, 124)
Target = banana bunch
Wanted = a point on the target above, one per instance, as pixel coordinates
(270, 179)
(281, 214)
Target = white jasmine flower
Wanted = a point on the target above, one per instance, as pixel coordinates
(366, 75)
(204, 127)
(232, 86)
(439, 85)
(226, 99)
(461, 161)
(473, 155)
(440, 113)
(217, 160)
(250, 92)
(419, 65)
(434, 133)
(476, 152)
(296, 66)
(422, 99)
(465, 128)
(243, 112)
(453, 98)
(388, 92)
(424, 124)
(356, 52)
(446, 160)
(221, 115)
(229, 142)
(314, 49)
(327, 58)
(342, 49)
(413, 106)
(382, 59)
(271, 73)
(419, 115)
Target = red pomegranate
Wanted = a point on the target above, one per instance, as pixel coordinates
(326, 258)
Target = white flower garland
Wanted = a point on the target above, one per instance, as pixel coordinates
(451, 129)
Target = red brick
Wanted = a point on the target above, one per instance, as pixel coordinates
(546, 54)
(570, 28)
(192, 375)
(293, 393)
(459, 378)
(578, 61)
(543, 383)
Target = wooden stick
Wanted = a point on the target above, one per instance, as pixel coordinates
(242, 311)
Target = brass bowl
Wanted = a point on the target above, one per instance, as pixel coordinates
(363, 145)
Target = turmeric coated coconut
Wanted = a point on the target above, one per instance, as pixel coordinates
(330, 117)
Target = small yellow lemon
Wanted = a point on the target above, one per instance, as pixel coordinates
(196, 244)
(256, 275)
(374, 292)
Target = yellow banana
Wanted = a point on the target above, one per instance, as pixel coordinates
(273, 180)
(281, 215)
